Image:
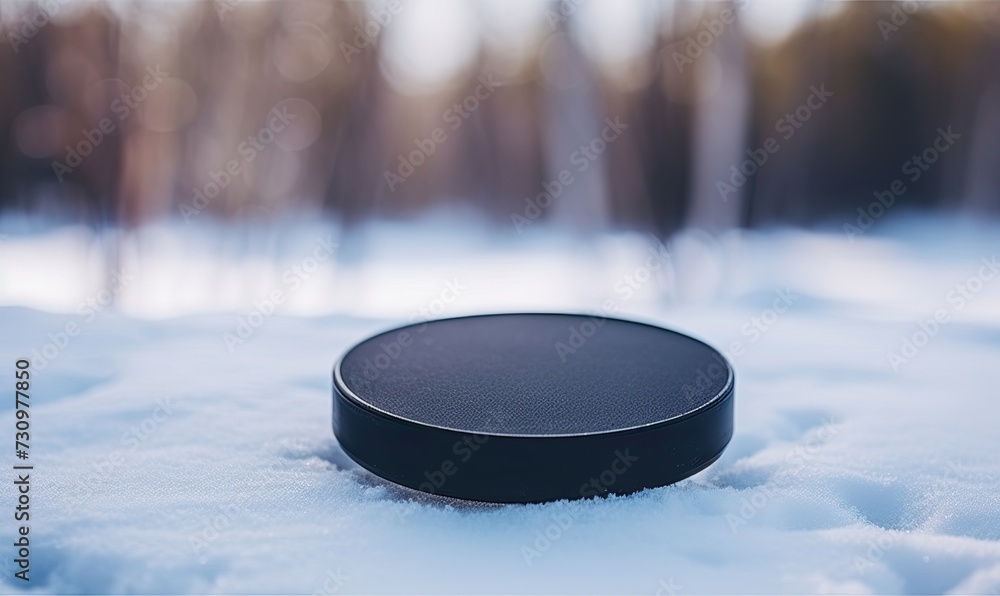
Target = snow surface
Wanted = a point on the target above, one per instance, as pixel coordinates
(844, 474)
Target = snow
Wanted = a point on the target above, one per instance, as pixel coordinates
(166, 462)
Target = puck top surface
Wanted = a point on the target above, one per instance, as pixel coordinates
(534, 374)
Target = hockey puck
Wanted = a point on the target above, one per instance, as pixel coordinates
(524, 408)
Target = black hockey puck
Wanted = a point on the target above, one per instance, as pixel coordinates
(524, 408)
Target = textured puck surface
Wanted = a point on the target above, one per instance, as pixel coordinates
(532, 407)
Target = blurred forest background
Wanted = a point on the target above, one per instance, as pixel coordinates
(125, 112)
